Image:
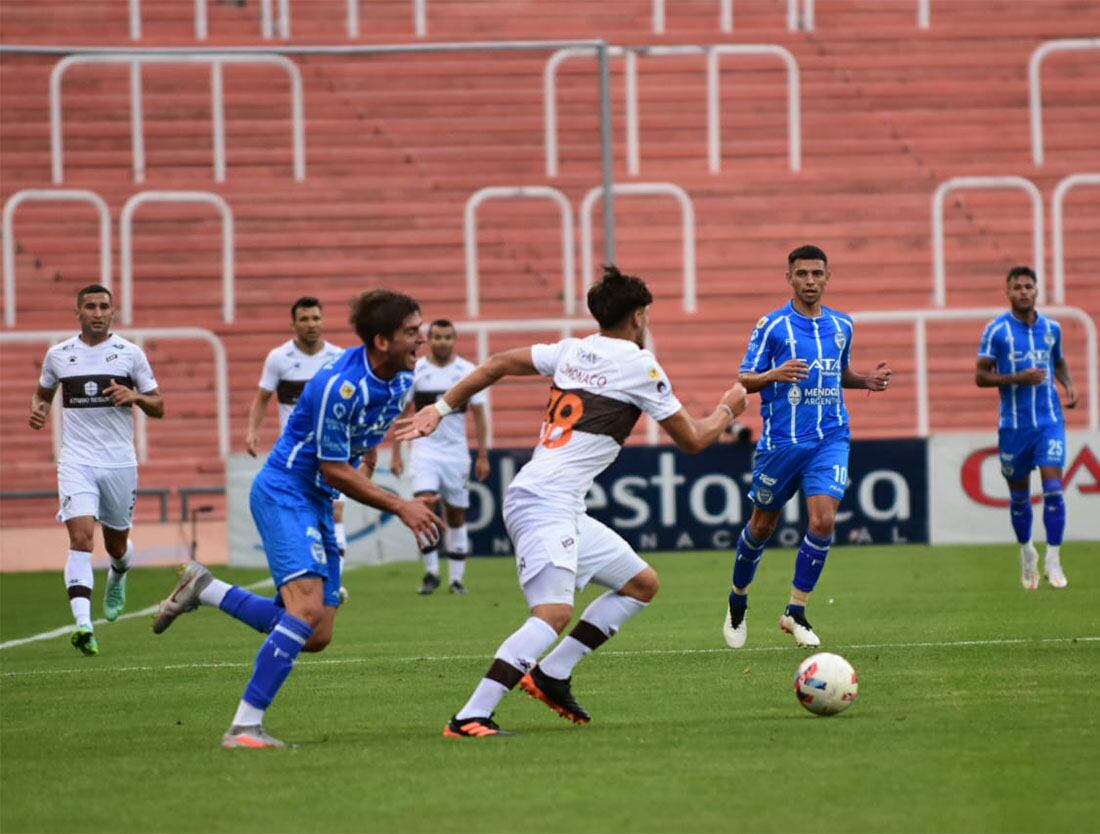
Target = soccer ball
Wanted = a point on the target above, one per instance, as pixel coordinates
(826, 684)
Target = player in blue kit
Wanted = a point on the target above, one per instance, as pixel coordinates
(799, 360)
(343, 414)
(1021, 354)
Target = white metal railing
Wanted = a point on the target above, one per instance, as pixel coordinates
(725, 16)
(1035, 85)
(216, 61)
(522, 192)
(1057, 238)
(126, 244)
(565, 327)
(200, 20)
(939, 291)
(61, 195)
(712, 53)
(806, 22)
(138, 335)
(687, 220)
(920, 319)
(268, 29)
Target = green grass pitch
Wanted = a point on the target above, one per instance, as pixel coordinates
(978, 709)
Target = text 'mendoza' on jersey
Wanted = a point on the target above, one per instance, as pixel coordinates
(344, 411)
(600, 388)
(287, 369)
(96, 432)
(1016, 346)
(814, 407)
(432, 382)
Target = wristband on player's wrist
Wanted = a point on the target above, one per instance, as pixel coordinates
(442, 407)
(729, 410)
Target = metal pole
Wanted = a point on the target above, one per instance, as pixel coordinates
(606, 159)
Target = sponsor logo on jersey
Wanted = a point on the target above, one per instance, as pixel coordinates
(340, 410)
(767, 479)
(1038, 356)
(90, 388)
(762, 322)
(567, 542)
(653, 374)
(347, 390)
(588, 378)
(794, 395)
(826, 365)
(111, 358)
(661, 387)
(72, 359)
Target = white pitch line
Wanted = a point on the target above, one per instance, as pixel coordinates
(338, 661)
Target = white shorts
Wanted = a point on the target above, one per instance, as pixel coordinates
(447, 477)
(578, 545)
(108, 495)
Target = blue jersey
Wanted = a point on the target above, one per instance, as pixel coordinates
(344, 411)
(813, 408)
(1016, 346)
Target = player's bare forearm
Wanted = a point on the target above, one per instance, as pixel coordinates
(692, 435)
(40, 406)
(877, 380)
(481, 429)
(986, 376)
(515, 362)
(1061, 373)
(356, 485)
(754, 383)
(258, 410)
(152, 404)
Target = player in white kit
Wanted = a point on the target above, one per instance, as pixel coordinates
(600, 387)
(101, 376)
(440, 463)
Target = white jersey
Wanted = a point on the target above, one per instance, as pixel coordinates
(95, 432)
(600, 388)
(431, 382)
(287, 370)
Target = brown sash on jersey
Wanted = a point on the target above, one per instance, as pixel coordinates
(422, 399)
(87, 391)
(580, 410)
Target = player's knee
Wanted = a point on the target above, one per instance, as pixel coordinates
(763, 528)
(822, 522)
(642, 587)
(318, 641)
(309, 612)
(556, 616)
(84, 542)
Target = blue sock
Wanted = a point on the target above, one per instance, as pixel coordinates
(796, 610)
(749, 551)
(1020, 507)
(259, 612)
(739, 600)
(810, 561)
(1054, 511)
(275, 660)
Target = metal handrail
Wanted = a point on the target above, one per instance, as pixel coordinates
(136, 58)
(200, 20)
(687, 218)
(712, 53)
(939, 290)
(1035, 85)
(924, 15)
(221, 367)
(920, 319)
(40, 194)
(420, 18)
(725, 16)
(1057, 240)
(126, 244)
(569, 271)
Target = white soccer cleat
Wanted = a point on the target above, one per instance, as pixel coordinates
(253, 737)
(735, 635)
(802, 631)
(1029, 567)
(1052, 567)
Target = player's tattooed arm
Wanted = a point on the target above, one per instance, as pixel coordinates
(1061, 373)
(40, 406)
(986, 375)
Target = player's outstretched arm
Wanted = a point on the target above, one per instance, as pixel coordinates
(692, 435)
(40, 406)
(986, 375)
(481, 431)
(256, 412)
(1061, 373)
(877, 380)
(516, 362)
(793, 370)
(416, 514)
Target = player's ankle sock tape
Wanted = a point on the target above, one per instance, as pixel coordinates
(1020, 510)
(275, 660)
(810, 561)
(749, 551)
(259, 612)
(1054, 511)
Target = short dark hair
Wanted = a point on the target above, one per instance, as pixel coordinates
(380, 313)
(809, 252)
(89, 290)
(616, 296)
(441, 323)
(1025, 271)
(301, 303)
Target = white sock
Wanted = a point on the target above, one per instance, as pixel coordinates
(607, 613)
(119, 566)
(456, 541)
(431, 562)
(341, 535)
(1052, 551)
(79, 578)
(457, 569)
(248, 715)
(521, 650)
(214, 593)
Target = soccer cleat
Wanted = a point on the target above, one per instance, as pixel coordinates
(114, 599)
(1052, 567)
(253, 736)
(457, 587)
(555, 693)
(428, 584)
(473, 728)
(735, 628)
(184, 597)
(799, 626)
(84, 641)
(1029, 567)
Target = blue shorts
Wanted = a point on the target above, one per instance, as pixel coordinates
(819, 467)
(1024, 449)
(297, 532)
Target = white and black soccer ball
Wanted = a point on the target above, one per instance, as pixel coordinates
(826, 683)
